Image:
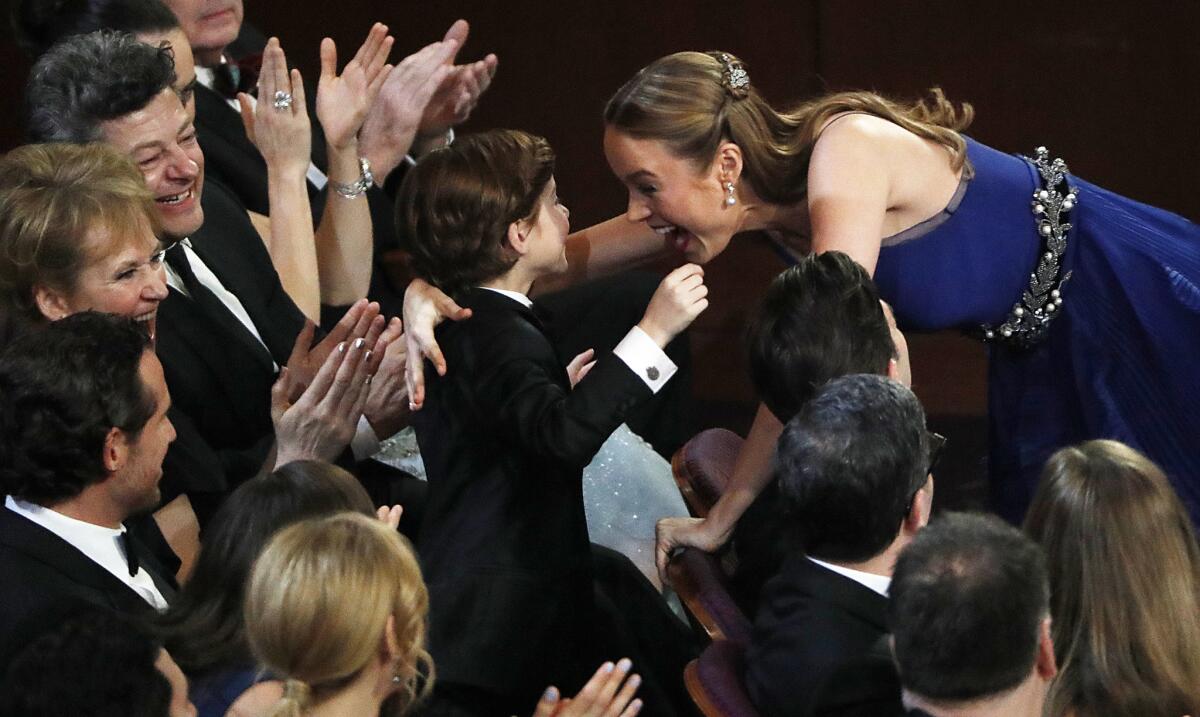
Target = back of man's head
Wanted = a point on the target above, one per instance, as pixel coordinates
(849, 466)
(967, 602)
(819, 319)
(86, 80)
(63, 388)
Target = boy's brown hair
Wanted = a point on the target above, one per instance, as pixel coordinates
(454, 208)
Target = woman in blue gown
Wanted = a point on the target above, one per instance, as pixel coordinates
(1090, 302)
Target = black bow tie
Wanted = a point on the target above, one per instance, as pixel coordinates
(130, 553)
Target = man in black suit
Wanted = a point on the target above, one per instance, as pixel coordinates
(227, 323)
(853, 476)
(969, 610)
(505, 436)
(83, 432)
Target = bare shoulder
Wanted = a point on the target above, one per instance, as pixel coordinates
(258, 700)
(858, 134)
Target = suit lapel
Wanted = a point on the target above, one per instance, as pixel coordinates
(184, 329)
(44, 546)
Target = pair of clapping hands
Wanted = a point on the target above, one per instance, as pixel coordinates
(356, 370)
(385, 108)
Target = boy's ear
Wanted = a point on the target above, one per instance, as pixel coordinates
(518, 238)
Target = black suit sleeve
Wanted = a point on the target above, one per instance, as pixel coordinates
(546, 419)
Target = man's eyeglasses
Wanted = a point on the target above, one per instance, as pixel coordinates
(937, 444)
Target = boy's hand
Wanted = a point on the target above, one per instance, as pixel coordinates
(680, 298)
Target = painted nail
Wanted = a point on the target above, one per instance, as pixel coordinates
(635, 681)
(636, 706)
(367, 357)
(624, 664)
(359, 343)
(342, 347)
(551, 694)
(607, 667)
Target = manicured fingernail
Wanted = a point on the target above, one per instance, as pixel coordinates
(551, 694)
(635, 681)
(359, 343)
(367, 357)
(636, 706)
(607, 667)
(624, 664)
(369, 377)
(342, 347)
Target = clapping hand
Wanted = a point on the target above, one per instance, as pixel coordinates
(343, 100)
(459, 91)
(387, 403)
(320, 423)
(393, 119)
(278, 122)
(600, 697)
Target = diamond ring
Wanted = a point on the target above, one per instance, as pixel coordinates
(283, 100)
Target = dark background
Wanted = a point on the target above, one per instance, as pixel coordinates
(1109, 86)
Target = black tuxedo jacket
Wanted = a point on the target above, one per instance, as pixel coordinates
(231, 158)
(504, 543)
(819, 647)
(219, 376)
(43, 572)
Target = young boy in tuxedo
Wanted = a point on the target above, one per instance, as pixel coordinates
(505, 435)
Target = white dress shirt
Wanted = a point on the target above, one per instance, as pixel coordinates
(871, 581)
(637, 350)
(100, 544)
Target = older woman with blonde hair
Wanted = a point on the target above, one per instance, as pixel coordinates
(1125, 581)
(336, 609)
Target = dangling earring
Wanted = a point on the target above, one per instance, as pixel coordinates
(730, 200)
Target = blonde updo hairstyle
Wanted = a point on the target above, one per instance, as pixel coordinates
(1125, 584)
(318, 605)
(51, 197)
(688, 101)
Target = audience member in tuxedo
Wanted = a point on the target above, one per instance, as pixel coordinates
(83, 432)
(819, 319)
(337, 608)
(969, 609)
(53, 195)
(95, 663)
(1125, 579)
(226, 324)
(853, 478)
(505, 436)
(204, 629)
(417, 106)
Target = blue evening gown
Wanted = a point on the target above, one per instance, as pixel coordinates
(1117, 359)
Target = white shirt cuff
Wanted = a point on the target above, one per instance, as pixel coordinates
(646, 359)
(412, 161)
(365, 443)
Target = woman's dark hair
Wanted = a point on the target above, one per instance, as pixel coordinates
(455, 206)
(88, 79)
(204, 629)
(63, 387)
(39, 24)
(93, 663)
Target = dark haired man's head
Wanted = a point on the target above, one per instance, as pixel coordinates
(94, 663)
(819, 319)
(455, 208)
(83, 403)
(87, 80)
(204, 626)
(969, 610)
(852, 468)
(109, 87)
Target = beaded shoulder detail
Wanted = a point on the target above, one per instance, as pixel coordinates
(1041, 301)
